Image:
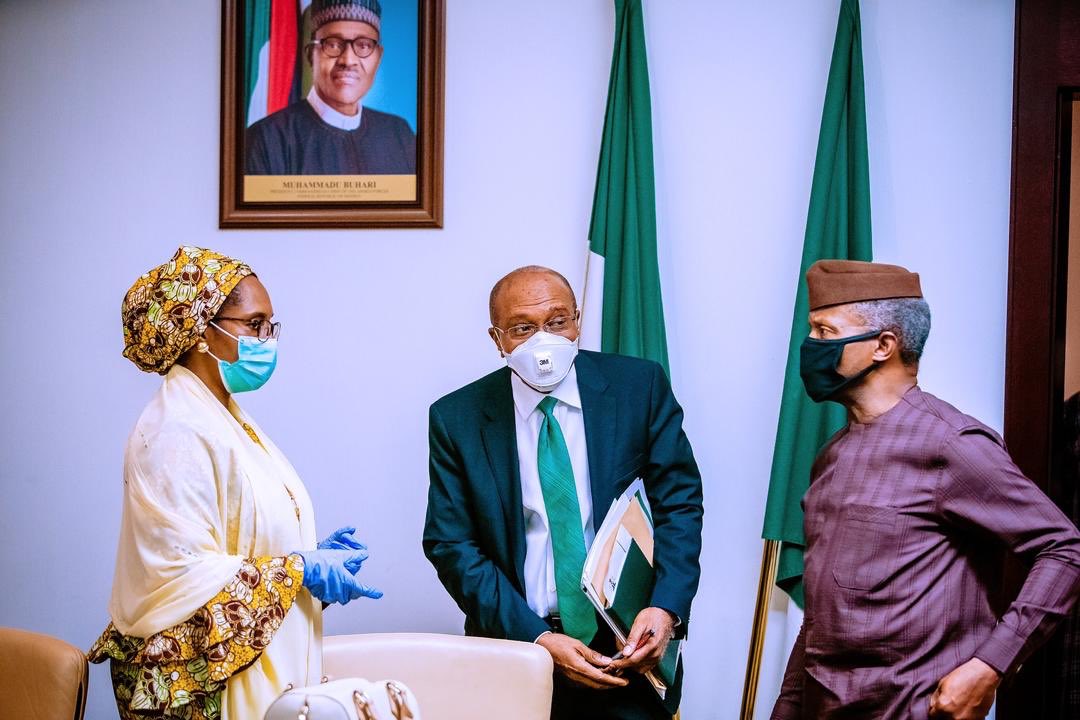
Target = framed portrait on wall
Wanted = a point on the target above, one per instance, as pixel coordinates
(332, 113)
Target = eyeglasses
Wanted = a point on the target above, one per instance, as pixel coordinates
(334, 46)
(556, 326)
(263, 329)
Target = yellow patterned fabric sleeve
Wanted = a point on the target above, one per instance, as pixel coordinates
(180, 671)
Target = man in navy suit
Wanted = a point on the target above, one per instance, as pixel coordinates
(524, 465)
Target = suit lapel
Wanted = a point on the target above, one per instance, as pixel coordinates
(600, 415)
(499, 434)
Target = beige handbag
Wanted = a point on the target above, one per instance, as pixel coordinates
(347, 699)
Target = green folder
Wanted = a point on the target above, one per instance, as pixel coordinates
(632, 596)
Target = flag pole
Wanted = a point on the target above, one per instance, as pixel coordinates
(770, 557)
(585, 283)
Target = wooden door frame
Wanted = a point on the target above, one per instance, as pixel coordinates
(1046, 72)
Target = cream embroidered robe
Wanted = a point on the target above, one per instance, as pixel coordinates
(205, 591)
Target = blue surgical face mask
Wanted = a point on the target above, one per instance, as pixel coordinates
(255, 363)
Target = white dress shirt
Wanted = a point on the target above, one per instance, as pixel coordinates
(540, 590)
(332, 117)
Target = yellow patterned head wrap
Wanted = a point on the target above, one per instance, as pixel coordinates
(168, 309)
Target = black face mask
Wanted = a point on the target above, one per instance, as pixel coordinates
(818, 360)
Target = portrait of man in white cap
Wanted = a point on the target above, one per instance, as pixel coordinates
(331, 131)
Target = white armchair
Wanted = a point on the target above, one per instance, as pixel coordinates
(453, 677)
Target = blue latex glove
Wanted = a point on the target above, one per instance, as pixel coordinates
(342, 539)
(328, 575)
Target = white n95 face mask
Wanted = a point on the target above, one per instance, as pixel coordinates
(543, 360)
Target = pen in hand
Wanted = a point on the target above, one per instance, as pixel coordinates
(629, 650)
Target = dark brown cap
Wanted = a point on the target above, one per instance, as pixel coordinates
(836, 282)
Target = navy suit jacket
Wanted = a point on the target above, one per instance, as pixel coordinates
(475, 529)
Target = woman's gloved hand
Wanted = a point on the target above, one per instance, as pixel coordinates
(328, 575)
(342, 539)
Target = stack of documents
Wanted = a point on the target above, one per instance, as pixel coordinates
(618, 575)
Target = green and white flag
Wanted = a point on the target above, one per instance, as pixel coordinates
(275, 74)
(622, 307)
(837, 227)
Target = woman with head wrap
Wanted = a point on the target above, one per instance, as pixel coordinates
(216, 598)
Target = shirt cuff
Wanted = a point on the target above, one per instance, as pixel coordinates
(546, 632)
(1001, 649)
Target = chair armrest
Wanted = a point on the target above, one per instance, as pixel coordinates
(453, 677)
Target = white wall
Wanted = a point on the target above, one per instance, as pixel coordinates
(108, 161)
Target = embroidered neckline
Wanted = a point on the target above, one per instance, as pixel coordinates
(255, 438)
(252, 434)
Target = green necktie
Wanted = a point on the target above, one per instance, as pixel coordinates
(564, 522)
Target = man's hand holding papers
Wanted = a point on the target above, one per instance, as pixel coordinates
(653, 629)
(618, 579)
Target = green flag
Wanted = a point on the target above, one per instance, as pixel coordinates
(256, 58)
(623, 283)
(837, 226)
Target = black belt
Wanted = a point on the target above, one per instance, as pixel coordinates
(554, 622)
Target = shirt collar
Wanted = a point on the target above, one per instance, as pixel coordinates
(332, 117)
(527, 398)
